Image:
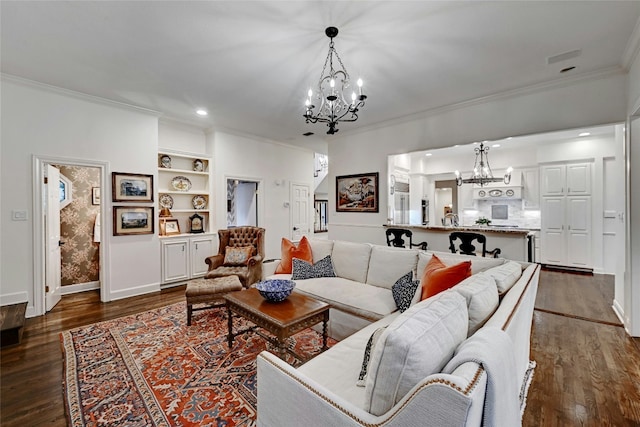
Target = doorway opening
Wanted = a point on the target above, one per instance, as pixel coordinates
(68, 209)
(242, 202)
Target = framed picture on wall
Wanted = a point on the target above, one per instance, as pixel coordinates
(129, 220)
(171, 226)
(95, 195)
(357, 193)
(129, 187)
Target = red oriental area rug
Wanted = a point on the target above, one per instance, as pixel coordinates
(151, 369)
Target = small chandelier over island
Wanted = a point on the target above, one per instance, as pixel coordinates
(482, 174)
(331, 90)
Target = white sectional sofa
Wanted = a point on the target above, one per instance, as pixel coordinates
(445, 361)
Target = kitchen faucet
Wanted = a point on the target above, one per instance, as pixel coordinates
(453, 219)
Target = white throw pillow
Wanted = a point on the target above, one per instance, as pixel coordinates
(506, 275)
(417, 344)
(320, 248)
(351, 260)
(388, 264)
(481, 294)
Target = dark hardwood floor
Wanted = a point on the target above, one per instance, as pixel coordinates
(588, 370)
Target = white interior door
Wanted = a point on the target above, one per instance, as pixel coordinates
(300, 211)
(52, 250)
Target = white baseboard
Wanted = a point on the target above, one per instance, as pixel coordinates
(132, 292)
(79, 287)
(618, 310)
(14, 298)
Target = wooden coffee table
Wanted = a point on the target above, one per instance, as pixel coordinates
(282, 319)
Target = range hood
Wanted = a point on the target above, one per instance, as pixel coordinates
(500, 190)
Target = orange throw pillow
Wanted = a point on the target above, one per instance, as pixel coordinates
(290, 251)
(437, 277)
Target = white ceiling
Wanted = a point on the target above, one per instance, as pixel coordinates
(250, 63)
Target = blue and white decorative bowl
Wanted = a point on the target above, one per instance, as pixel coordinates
(275, 290)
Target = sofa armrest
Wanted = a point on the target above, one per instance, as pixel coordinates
(214, 261)
(445, 400)
(254, 260)
(269, 267)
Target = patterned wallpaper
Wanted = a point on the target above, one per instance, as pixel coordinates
(80, 254)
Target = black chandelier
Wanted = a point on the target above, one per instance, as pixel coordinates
(482, 174)
(330, 93)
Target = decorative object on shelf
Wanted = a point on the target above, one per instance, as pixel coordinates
(165, 161)
(169, 226)
(166, 201)
(129, 187)
(482, 174)
(275, 290)
(483, 221)
(196, 223)
(198, 165)
(330, 94)
(129, 220)
(181, 183)
(495, 192)
(165, 213)
(199, 202)
(357, 193)
(95, 195)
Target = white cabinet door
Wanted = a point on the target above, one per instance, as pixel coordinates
(579, 231)
(175, 256)
(201, 248)
(553, 180)
(553, 247)
(579, 179)
(531, 189)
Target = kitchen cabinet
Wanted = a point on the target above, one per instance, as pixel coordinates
(566, 231)
(531, 189)
(569, 179)
(465, 198)
(183, 257)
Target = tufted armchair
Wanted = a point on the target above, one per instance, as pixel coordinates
(237, 237)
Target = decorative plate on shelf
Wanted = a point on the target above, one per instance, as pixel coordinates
(495, 193)
(181, 183)
(166, 201)
(199, 202)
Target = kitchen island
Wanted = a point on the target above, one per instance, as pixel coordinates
(514, 243)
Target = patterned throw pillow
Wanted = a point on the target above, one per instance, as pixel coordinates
(304, 270)
(234, 256)
(404, 290)
(367, 356)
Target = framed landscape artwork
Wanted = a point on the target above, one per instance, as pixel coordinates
(357, 193)
(129, 187)
(129, 220)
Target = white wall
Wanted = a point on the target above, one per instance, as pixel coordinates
(46, 122)
(276, 166)
(187, 139)
(587, 102)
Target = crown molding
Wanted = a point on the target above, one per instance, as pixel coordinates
(633, 47)
(511, 93)
(78, 95)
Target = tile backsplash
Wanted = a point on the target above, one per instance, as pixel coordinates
(515, 214)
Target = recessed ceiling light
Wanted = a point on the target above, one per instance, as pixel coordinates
(509, 138)
(584, 134)
(496, 145)
(202, 112)
(429, 154)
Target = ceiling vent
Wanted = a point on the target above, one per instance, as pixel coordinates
(564, 56)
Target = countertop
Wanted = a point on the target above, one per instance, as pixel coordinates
(478, 229)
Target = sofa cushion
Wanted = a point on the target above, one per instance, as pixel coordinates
(404, 291)
(438, 277)
(289, 251)
(478, 264)
(373, 340)
(417, 344)
(320, 248)
(506, 275)
(369, 302)
(237, 255)
(482, 299)
(351, 260)
(388, 264)
(305, 270)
